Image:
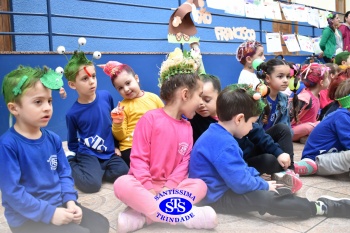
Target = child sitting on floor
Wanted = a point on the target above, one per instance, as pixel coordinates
(35, 177)
(327, 150)
(235, 188)
(161, 149)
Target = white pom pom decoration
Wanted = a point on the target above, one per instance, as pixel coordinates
(97, 55)
(82, 41)
(257, 96)
(61, 49)
(59, 70)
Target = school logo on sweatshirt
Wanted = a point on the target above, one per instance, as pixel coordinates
(96, 143)
(183, 146)
(53, 162)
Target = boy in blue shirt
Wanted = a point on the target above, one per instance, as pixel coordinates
(329, 143)
(235, 188)
(90, 117)
(36, 186)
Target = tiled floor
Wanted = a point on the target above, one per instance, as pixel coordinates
(105, 202)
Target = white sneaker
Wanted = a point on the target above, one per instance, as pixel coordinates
(130, 220)
(204, 218)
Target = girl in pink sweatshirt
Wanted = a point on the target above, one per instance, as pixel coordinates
(157, 186)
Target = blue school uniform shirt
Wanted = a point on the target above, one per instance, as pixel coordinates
(272, 117)
(217, 160)
(34, 177)
(92, 122)
(332, 134)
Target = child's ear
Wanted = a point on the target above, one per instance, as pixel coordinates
(249, 59)
(185, 94)
(137, 78)
(71, 85)
(12, 107)
(238, 118)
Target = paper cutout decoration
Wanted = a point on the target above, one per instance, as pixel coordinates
(316, 45)
(217, 4)
(236, 7)
(323, 19)
(273, 42)
(313, 17)
(305, 44)
(254, 10)
(272, 10)
(291, 42)
(301, 13)
(289, 12)
(181, 27)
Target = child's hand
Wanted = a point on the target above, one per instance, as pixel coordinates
(117, 114)
(63, 93)
(117, 152)
(284, 160)
(273, 185)
(266, 177)
(62, 216)
(77, 212)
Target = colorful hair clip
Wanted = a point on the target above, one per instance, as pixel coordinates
(17, 89)
(52, 79)
(330, 16)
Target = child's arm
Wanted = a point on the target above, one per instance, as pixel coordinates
(141, 152)
(64, 172)
(72, 139)
(120, 123)
(342, 125)
(324, 39)
(15, 194)
(235, 172)
(180, 172)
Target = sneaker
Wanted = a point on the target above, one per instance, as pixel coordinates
(204, 218)
(305, 167)
(336, 207)
(284, 190)
(70, 155)
(289, 179)
(130, 220)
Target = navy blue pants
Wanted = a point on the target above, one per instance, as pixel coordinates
(267, 163)
(92, 222)
(89, 171)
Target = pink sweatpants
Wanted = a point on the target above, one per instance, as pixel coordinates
(132, 193)
(303, 130)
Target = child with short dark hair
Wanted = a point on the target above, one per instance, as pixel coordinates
(95, 157)
(161, 149)
(136, 102)
(235, 188)
(329, 143)
(35, 178)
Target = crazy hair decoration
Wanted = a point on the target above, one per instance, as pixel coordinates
(344, 102)
(24, 77)
(256, 96)
(176, 63)
(313, 73)
(77, 60)
(246, 49)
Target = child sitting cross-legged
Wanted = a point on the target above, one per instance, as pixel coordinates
(161, 149)
(235, 188)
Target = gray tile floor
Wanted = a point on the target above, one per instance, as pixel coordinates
(314, 186)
